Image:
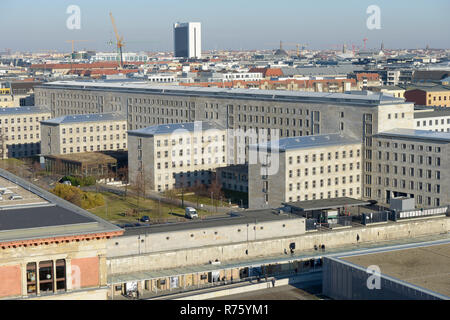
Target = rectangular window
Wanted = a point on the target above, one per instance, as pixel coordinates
(31, 278)
(46, 277)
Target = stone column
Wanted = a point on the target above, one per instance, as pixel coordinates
(23, 268)
(102, 270)
(69, 283)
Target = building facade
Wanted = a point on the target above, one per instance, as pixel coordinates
(308, 168)
(20, 131)
(433, 120)
(173, 156)
(412, 163)
(436, 96)
(84, 133)
(258, 115)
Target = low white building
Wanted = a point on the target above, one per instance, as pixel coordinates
(433, 120)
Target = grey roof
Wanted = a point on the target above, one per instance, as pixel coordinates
(307, 142)
(171, 128)
(416, 134)
(37, 217)
(22, 110)
(339, 69)
(81, 118)
(433, 113)
(323, 204)
(373, 99)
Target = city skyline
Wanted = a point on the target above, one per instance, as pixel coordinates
(147, 25)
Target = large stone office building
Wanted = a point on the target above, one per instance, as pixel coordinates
(412, 163)
(20, 130)
(305, 168)
(258, 114)
(84, 133)
(172, 156)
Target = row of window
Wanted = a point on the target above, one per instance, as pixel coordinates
(321, 170)
(180, 141)
(91, 148)
(404, 146)
(411, 185)
(314, 184)
(21, 138)
(91, 128)
(91, 138)
(181, 152)
(217, 160)
(19, 128)
(342, 193)
(411, 159)
(321, 156)
(410, 171)
(430, 122)
(24, 119)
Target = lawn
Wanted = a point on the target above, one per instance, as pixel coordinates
(115, 206)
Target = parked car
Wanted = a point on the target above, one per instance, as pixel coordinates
(190, 213)
(145, 219)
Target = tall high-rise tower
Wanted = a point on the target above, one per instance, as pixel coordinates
(187, 38)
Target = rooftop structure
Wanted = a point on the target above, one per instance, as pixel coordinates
(415, 134)
(83, 118)
(309, 142)
(374, 99)
(406, 272)
(164, 129)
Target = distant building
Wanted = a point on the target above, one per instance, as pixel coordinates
(20, 130)
(84, 133)
(169, 156)
(187, 40)
(438, 96)
(309, 168)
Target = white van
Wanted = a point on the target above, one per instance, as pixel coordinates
(190, 213)
(16, 197)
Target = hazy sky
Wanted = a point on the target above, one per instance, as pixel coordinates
(36, 25)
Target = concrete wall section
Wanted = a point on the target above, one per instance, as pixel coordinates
(274, 246)
(344, 281)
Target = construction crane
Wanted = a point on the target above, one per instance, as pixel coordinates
(73, 41)
(119, 41)
(365, 40)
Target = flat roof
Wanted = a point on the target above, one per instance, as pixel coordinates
(308, 142)
(53, 218)
(372, 99)
(415, 134)
(432, 113)
(262, 215)
(171, 128)
(85, 157)
(82, 118)
(322, 204)
(427, 266)
(22, 110)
